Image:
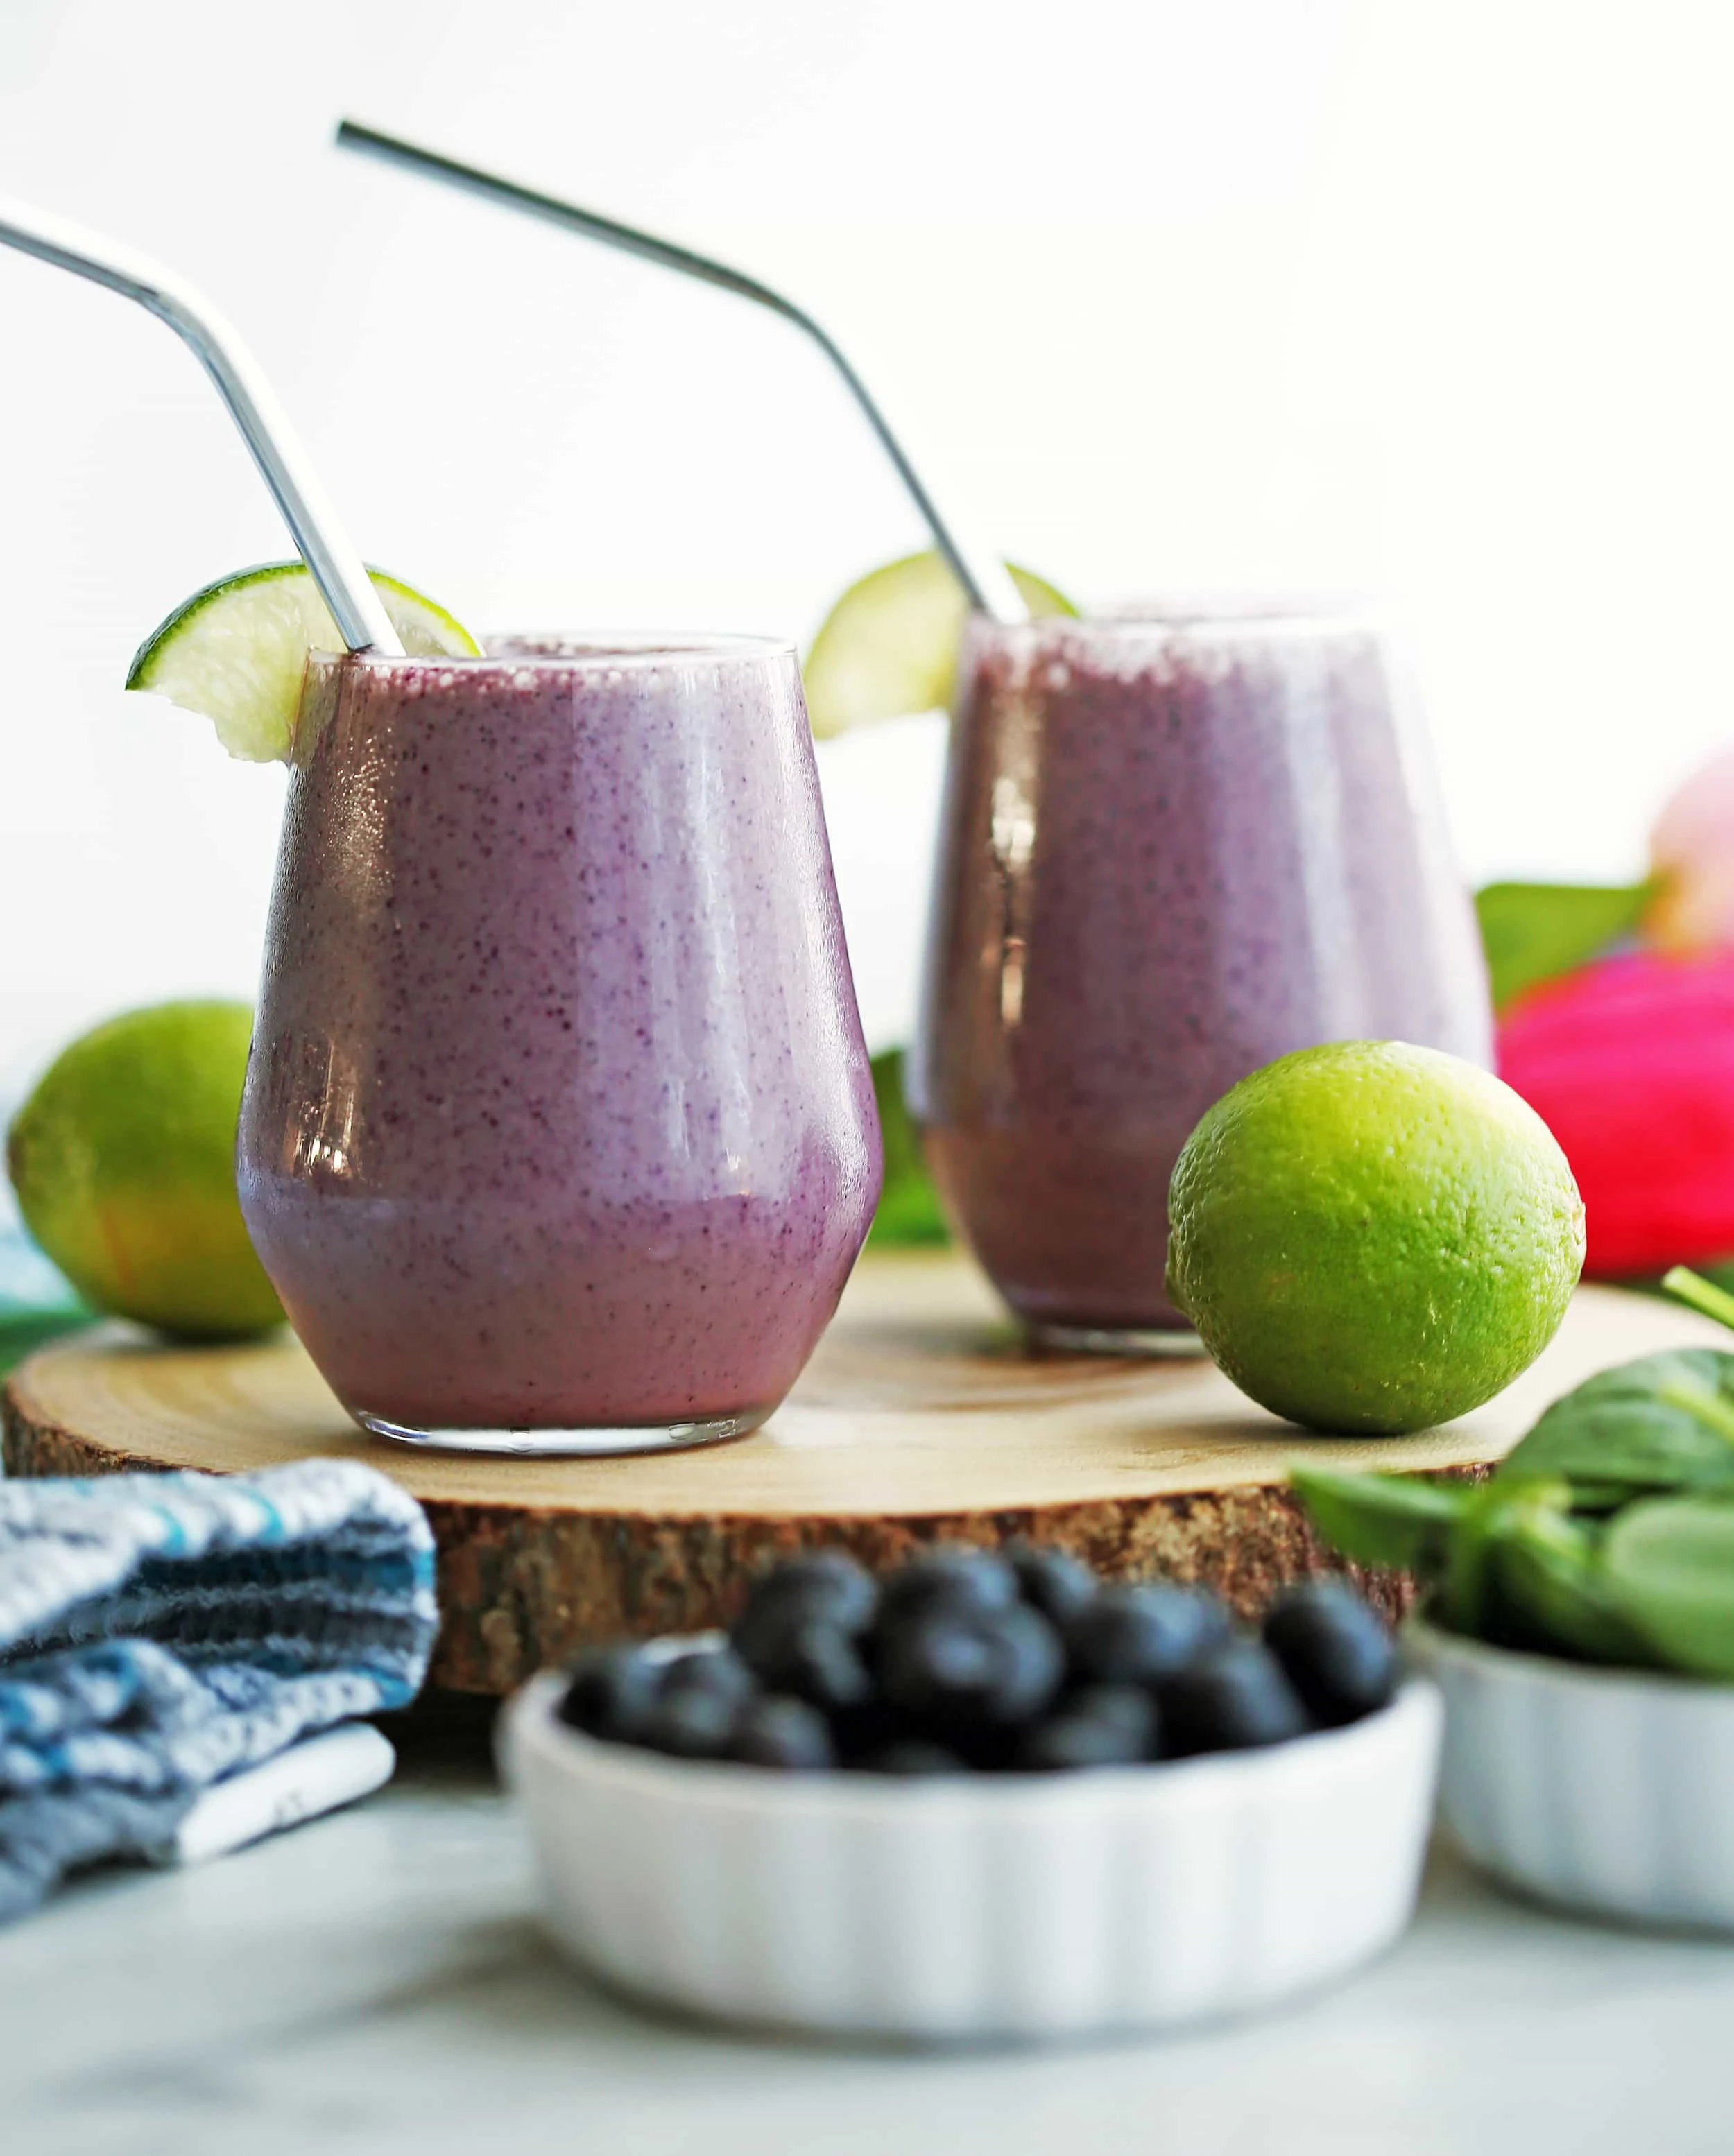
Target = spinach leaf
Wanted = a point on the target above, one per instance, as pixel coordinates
(1668, 1563)
(1470, 1592)
(1395, 1520)
(1554, 1593)
(1664, 1423)
(1607, 1536)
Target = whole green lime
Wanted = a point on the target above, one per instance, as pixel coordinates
(1372, 1237)
(123, 1161)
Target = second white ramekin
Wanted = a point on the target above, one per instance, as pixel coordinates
(1605, 1791)
(984, 1906)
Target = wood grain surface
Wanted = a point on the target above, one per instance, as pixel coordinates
(921, 1416)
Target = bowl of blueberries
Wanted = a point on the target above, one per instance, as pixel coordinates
(987, 1796)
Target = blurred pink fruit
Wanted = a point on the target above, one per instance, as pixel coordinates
(1692, 852)
(1630, 1063)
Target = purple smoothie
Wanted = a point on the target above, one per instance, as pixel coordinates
(1172, 850)
(558, 1118)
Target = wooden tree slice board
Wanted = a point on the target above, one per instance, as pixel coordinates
(921, 1415)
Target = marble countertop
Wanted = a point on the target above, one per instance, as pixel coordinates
(375, 1982)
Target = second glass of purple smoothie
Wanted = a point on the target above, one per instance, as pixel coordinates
(558, 1133)
(1173, 849)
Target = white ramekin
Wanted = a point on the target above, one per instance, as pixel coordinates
(1026, 1905)
(1605, 1791)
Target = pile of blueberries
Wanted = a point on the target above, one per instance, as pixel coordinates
(969, 1661)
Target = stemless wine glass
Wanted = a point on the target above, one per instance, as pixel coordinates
(1173, 849)
(558, 1132)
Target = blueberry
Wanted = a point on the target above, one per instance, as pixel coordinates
(1032, 1665)
(610, 1693)
(716, 1669)
(1143, 1635)
(953, 1666)
(808, 1657)
(911, 1755)
(1232, 1700)
(952, 1575)
(857, 1731)
(783, 1732)
(1107, 1725)
(941, 1666)
(824, 1584)
(1053, 1583)
(691, 1723)
(1338, 1653)
(1129, 1707)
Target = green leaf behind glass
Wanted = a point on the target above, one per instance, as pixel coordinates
(1536, 932)
(909, 1215)
(22, 1332)
(38, 1303)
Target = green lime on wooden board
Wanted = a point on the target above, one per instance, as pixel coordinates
(1373, 1238)
(123, 1162)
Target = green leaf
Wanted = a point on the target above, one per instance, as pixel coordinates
(1536, 932)
(1597, 1500)
(1668, 1563)
(1529, 1560)
(1395, 1520)
(1553, 1593)
(1663, 1423)
(909, 1215)
(1469, 1598)
(23, 1332)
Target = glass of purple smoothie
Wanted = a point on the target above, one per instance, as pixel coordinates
(1173, 848)
(558, 1133)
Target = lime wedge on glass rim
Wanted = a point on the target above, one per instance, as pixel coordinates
(235, 652)
(889, 645)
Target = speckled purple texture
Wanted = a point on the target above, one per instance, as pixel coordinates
(1172, 851)
(558, 1112)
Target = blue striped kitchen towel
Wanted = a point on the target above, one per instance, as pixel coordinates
(158, 1632)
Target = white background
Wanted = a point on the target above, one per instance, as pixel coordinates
(1422, 301)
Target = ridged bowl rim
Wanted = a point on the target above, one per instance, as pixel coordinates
(722, 1787)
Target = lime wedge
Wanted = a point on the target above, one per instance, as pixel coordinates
(235, 652)
(889, 645)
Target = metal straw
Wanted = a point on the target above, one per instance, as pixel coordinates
(982, 575)
(335, 566)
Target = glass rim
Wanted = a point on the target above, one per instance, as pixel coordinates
(599, 651)
(1203, 620)
(629, 646)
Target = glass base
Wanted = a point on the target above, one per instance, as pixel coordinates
(562, 1444)
(1130, 1342)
